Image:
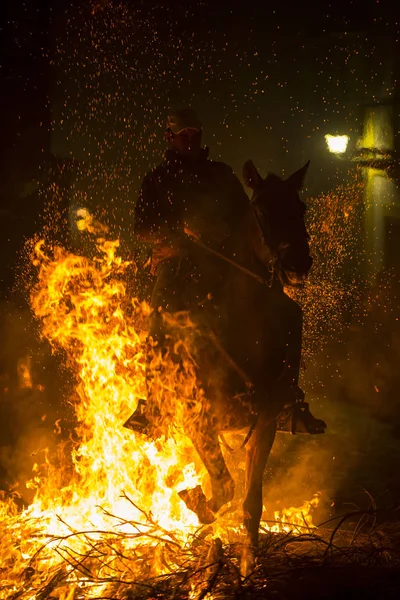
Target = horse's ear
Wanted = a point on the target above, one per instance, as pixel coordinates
(296, 180)
(251, 176)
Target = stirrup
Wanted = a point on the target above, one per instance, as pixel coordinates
(138, 422)
(296, 418)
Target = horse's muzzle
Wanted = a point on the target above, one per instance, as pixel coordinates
(295, 268)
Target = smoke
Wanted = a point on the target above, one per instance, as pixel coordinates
(353, 385)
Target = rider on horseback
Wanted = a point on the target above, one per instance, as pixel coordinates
(212, 248)
(187, 194)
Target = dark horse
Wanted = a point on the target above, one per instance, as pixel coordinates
(248, 349)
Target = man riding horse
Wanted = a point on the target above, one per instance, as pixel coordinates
(214, 249)
(187, 193)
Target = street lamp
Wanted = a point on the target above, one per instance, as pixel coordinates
(337, 144)
(375, 158)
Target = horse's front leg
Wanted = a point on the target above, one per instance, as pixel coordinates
(257, 452)
(204, 436)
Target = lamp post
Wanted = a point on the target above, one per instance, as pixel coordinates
(375, 154)
(375, 158)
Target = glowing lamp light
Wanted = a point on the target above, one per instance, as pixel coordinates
(337, 144)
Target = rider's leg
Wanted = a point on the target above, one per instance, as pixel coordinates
(257, 453)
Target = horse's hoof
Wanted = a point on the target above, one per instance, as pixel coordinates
(247, 561)
(224, 495)
(196, 501)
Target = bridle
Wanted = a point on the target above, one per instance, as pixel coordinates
(274, 258)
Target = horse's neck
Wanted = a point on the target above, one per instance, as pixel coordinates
(251, 250)
(246, 297)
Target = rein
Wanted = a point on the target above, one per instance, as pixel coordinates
(258, 278)
(246, 439)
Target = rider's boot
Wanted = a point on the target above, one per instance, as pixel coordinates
(296, 416)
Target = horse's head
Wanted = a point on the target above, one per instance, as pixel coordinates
(282, 239)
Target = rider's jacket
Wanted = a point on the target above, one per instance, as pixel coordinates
(204, 196)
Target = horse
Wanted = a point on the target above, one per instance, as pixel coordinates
(253, 332)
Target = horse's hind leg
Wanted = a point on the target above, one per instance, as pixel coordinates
(257, 452)
(204, 437)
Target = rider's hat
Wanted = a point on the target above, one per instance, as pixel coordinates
(186, 118)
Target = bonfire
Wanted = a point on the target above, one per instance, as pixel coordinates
(107, 520)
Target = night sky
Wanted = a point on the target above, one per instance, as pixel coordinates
(92, 82)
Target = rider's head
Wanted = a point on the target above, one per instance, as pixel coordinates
(183, 133)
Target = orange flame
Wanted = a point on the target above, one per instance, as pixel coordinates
(293, 519)
(117, 495)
